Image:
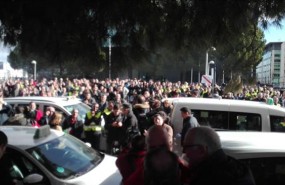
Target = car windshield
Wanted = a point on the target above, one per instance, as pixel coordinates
(66, 157)
(81, 107)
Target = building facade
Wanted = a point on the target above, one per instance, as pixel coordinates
(271, 69)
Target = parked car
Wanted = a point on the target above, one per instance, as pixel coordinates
(263, 152)
(64, 105)
(49, 157)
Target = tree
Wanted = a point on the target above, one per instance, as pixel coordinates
(60, 33)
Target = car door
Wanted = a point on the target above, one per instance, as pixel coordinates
(267, 170)
(18, 166)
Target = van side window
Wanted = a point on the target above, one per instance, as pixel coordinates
(277, 123)
(245, 121)
(214, 119)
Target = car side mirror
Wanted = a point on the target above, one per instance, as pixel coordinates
(33, 178)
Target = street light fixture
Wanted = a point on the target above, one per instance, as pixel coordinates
(207, 59)
(35, 69)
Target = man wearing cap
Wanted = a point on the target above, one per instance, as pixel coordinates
(189, 121)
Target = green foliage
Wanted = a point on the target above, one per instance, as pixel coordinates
(72, 35)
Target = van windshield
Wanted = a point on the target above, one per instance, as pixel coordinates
(81, 107)
(66, 157)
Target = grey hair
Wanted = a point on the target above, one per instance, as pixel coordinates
(205, 136)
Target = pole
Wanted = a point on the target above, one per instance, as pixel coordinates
(206, 65)
(110, 52)
(35, 71)
(223, 76)
(191, 75)
(199, 80)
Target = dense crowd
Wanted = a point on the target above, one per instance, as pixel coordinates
(129, 89)
(137, 126)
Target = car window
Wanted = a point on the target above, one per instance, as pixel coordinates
(18, 166)
(245, 121)
(277, 123)
(64, 115)
(215, 119)
(268, 171)
(66, 157)
(81, 107)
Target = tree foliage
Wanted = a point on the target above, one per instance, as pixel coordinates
(73, 34)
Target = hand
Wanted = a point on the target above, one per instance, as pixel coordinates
(120, 124)
(114, 124)
(145, 133)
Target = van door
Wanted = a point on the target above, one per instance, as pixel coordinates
(248, 117)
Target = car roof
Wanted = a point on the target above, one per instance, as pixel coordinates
(215, 101)
(58, 100)
(242, 145)
(23, 136)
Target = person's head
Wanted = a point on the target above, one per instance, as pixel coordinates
(138, 143)
(161, 166)
(200, 143)
(185, 112)
(111, 105)
(157, 137)
(3, 143)
(116, 109)
(19, 109)
(32, 106)
(160, 118)
(126, 108)
(95, 107)
(75, 113)
(57, 119)
(51, 110)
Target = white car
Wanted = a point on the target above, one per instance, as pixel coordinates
(264, 152)
(64, 105)
(48, 157)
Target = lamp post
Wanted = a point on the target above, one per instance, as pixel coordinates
(111, 32)
(213, 72)
(35, 69)
(207, 59)
(110, 54)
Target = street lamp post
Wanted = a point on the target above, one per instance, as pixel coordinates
(111, 32)
(207, 59)
(110, 54)
(35, 69)
(213, 72)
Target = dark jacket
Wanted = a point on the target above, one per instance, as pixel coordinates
(140, 111)
(221, 169)
(17, 119)
(130, 126)
(189, 122)
(74, 126)
(114, 133)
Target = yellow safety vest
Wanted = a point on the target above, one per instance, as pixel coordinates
(93, 127)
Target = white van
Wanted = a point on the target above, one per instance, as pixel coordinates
(224, 114)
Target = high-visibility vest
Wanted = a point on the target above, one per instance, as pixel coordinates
(107, 111)
(93, 127)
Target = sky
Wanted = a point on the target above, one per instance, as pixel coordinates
(275, 34)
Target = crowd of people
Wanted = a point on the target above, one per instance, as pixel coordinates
(134, 116)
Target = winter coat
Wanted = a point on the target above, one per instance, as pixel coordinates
(221, 169)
